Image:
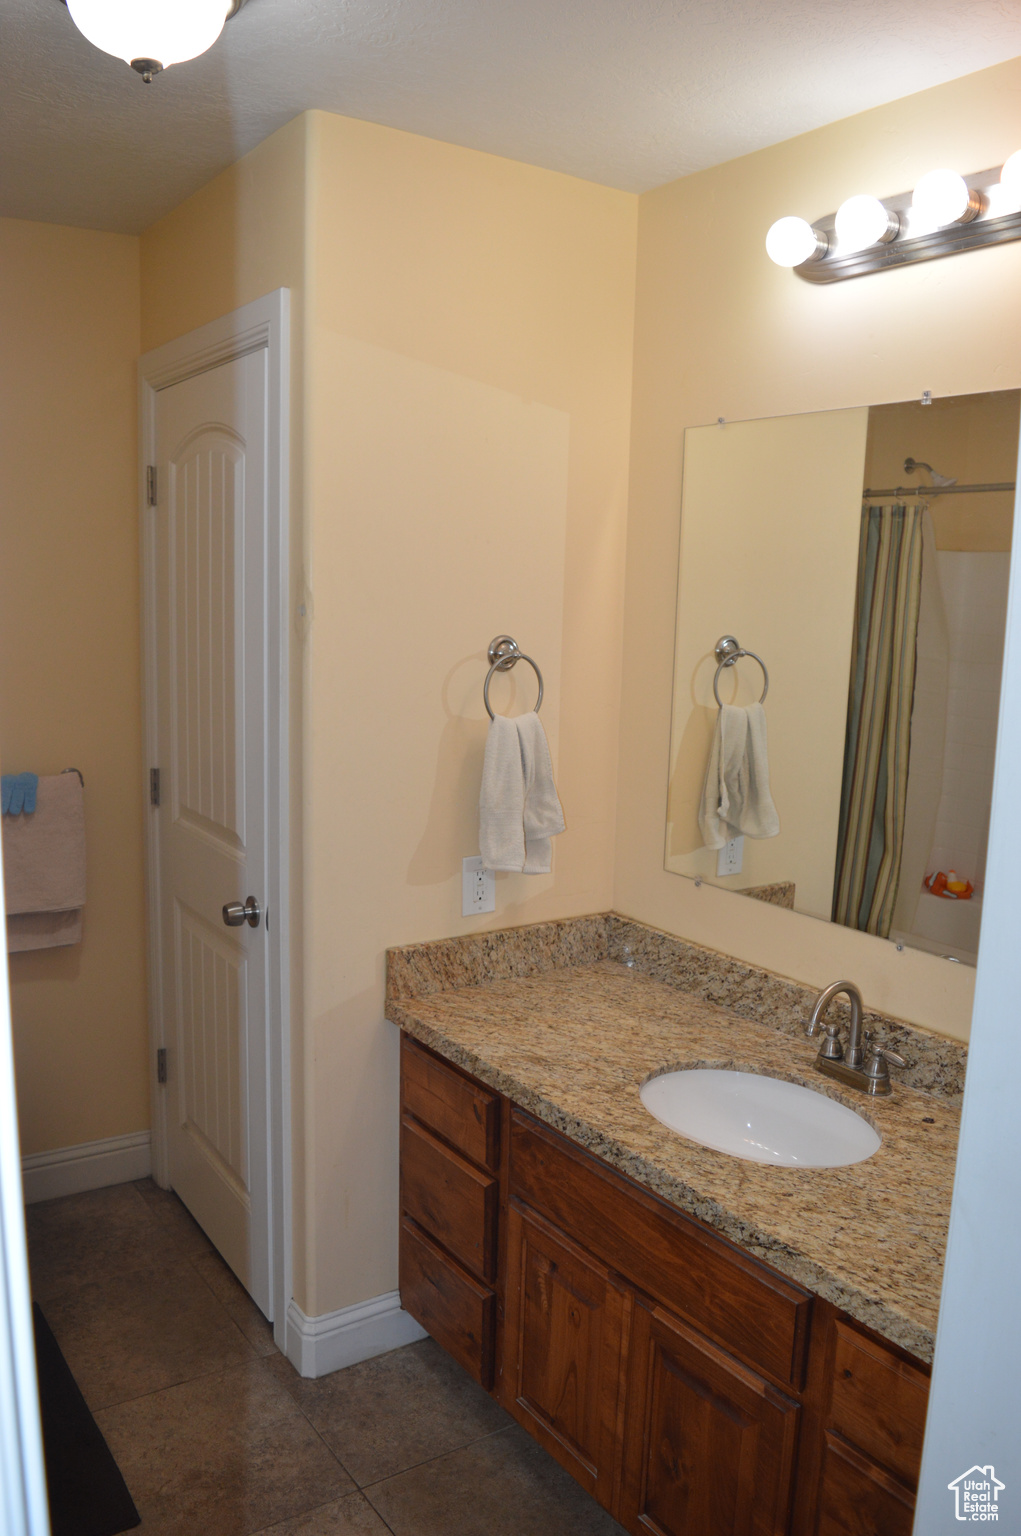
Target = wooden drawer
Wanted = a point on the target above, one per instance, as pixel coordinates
(450, 1198)
(453, 1308)
(711, 1284)
(456, 1108)
(878, 1402)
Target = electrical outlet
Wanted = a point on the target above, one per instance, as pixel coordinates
(478, 888)
(730, 857)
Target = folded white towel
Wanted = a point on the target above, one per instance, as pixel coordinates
(543, 813)
(502, 799)
(518, 806)
(735, 799)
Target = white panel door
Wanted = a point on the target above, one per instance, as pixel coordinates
(211, 624)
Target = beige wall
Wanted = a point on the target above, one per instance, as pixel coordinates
(463, 340)
(470, 330)
(241, 236)
(69, 637)
(769, 550)
(721, 331)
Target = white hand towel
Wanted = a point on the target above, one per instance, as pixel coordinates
(543, 813)
(502, 800)
(758, 814)
(735, 798)
(518, 807)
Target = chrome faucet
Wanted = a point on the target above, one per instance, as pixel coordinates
(849, 1066)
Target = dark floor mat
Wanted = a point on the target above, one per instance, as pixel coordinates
(88, 1496)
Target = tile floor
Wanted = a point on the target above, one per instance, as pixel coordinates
(217, 1435)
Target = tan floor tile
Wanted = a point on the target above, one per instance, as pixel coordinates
(505, 1485)
(84, 1238)
(225, 1455)
(235, 1300)
(174, 1218)
(396, 1410)
(351, 1516)
(131, 1334)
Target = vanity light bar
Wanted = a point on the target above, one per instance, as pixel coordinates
(944, 214)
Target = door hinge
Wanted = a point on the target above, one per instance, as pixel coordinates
(150, 484)
(154, 786)
(161, 1064)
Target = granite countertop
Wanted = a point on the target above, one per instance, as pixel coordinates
(572, 1040)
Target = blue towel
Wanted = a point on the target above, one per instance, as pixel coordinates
(17, 793)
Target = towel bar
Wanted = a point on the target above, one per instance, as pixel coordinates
(503, 654)
(727, 651)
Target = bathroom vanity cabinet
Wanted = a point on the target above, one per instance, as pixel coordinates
(684, 1383)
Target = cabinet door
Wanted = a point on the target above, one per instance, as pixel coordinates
(563, 1351)
(709, 1445)
(859, 1498)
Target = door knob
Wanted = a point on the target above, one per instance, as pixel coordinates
(235, 914)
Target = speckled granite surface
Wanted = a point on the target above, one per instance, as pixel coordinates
(779, 895)
(554, 1017)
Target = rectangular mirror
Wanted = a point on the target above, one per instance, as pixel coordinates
(860, 559)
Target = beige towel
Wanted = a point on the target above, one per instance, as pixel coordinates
(519, 811)
(735, 798)
(44, 867)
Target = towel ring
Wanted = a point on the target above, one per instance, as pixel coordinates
(727, 652)
(503, 653)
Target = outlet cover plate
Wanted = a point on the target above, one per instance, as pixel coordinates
(730, 858)
(478, 888)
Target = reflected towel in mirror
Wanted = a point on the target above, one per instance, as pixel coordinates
(735, 798)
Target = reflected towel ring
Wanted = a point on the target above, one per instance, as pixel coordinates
(727, 651)
(503, 653)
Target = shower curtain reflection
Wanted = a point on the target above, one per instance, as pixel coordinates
(874, 791)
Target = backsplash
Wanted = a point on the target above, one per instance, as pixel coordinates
(936, 1065)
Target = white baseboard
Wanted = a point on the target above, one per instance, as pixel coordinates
(316, 1346)
(94, 1164)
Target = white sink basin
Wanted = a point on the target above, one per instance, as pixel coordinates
(760, 1118)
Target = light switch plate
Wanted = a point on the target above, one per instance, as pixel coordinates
(730, 857)
(478, 888)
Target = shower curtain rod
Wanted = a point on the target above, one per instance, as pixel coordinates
(923, 491)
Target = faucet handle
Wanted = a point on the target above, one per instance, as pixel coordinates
(876, 1068)
(831, 1048)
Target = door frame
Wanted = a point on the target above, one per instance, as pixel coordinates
(261, 325)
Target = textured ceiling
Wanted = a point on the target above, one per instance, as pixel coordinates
(628, 92)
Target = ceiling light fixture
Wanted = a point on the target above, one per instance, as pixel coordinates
(946, 213)
(150, 35)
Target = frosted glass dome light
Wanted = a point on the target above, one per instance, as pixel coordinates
(792, 241)
(863, 221)
(1010, 177)
(941, 198)
(150, 35)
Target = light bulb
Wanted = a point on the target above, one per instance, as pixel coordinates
(1010, 177)
(863, 221)
(941, 198)
(156, 33)
(791, 241)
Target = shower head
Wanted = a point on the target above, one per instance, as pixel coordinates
(910, 465)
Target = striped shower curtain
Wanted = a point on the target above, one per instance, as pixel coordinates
(875, 785)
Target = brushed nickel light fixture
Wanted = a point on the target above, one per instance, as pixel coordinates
(150, 35)
(945, 213)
